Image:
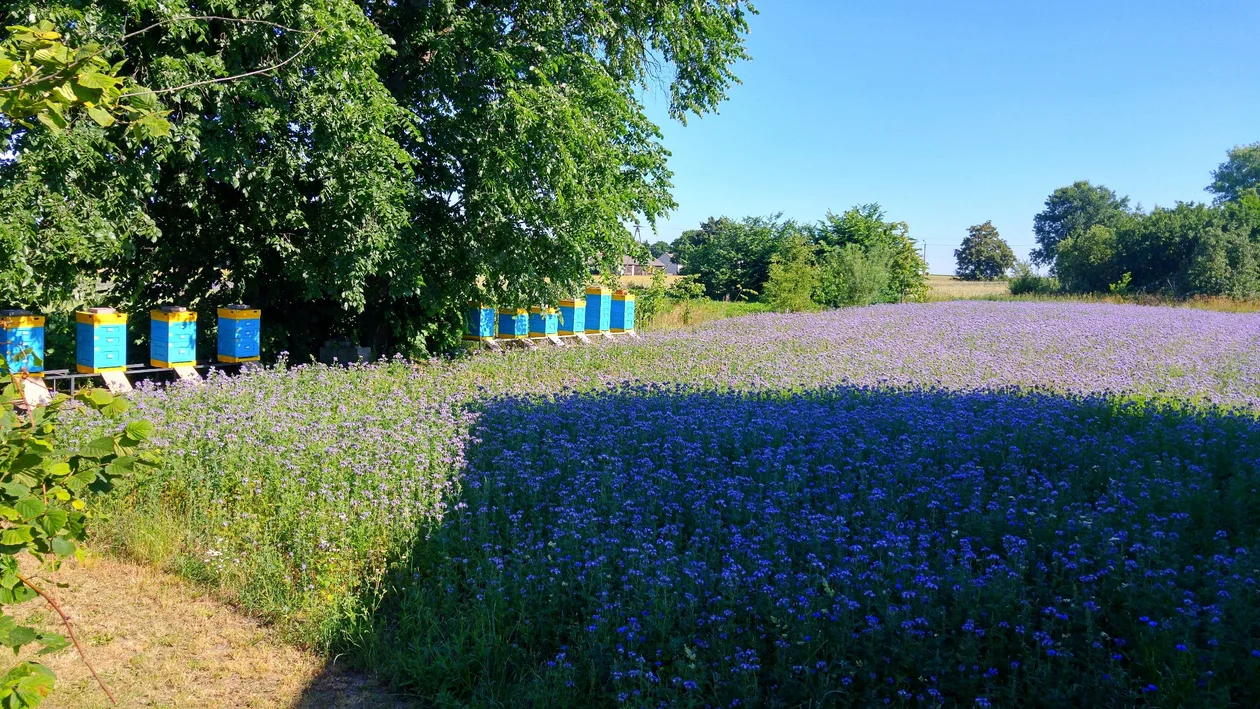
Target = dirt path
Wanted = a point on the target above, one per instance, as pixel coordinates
(160, 642)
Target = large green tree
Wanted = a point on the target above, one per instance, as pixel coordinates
(983, 255)
(383, 162)
(1072, 210)
(1240, 172)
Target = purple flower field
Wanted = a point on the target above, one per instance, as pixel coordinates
(972, 503)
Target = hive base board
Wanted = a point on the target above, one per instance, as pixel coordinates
(116, 382)
(186, 373)
(581, 337)
(555, 340)
(36, 391)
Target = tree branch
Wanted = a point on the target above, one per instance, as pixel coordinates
(234, 77)
(70, 631)
(242, 20)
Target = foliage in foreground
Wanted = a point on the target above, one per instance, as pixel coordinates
(43, 487)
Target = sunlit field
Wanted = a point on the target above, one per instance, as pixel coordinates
(963, 504)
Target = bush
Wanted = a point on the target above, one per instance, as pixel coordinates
(687, 287)
(649, 301)
(1026, 281)
(851, 275)
(1087, 262)
(792, 277)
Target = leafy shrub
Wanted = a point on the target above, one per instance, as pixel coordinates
(866, 226)
(792, 277)
(1086, 262)
(43, 507)
(1026, 281)
(852, 275)
(649, 301)
(687, 287)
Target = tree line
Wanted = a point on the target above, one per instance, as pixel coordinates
(1092, 240)
(856, 257)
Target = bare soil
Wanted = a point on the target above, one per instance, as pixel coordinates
(158, 641)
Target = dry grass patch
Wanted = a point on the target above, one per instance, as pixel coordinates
(158, 641)
(950, 288)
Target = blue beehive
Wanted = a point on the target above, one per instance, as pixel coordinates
(100, 341)
(513, 324)
(479, 322)
(543, 322)
(240, 334)
(572, 317)
(173, 337)
(22, 341)
(598, 309)
(622, 311)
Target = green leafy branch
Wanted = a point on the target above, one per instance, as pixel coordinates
(43, 512)
(44, 79)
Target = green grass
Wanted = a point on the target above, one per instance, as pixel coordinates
(680, 314)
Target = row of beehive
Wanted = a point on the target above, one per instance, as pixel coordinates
(101, 338)
(601, 311)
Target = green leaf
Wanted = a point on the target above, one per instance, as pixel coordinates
(29, 507)
(100, 397)
(98, 448)
(52, 522)
(101, 116)
(81, 479)
(62, 546)
(15, 536)
(18, 636)
(140, 430)
(52, 642)
(20, 593)
(59, 469)
(54, 121)
(31, 683)
(95, 80)
(26, 461)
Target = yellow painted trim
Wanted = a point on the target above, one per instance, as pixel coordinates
(574, 303)
(15, 322)
(100, 319)
(597, 290)
(510, 337)
(616, 329)
(536, 310)
(477, 338)
(171, 365)
(233, 314)
(233, 360)
(623, 296)
(513, 311)
(163, 316)
(84, 369)
(596, 330)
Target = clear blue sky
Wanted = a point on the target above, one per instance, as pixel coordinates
(949, 114)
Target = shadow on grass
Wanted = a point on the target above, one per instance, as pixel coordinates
(664, 546)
